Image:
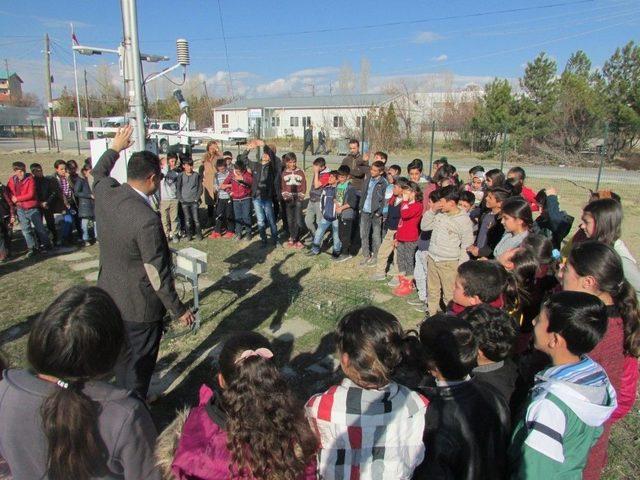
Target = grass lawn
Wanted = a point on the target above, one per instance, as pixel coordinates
(294, 299)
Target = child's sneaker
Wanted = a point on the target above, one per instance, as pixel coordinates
(364, 261)
(343, 257)
(405, 288)
(378, 277)
(228, 235)
(422, 308)
(215, 235)
(373, 262)
(415, 301)
(395, 281)
(290, 243)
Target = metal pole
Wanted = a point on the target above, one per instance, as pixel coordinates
(504, 147)
(86, 104)
(603, 153)
(33, 135)
(47, 90)
(362, 135)
(75, 77)
(133, 79)
(206, 94)
(433, 134)
(56, 140)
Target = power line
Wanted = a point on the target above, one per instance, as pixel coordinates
(226, 50)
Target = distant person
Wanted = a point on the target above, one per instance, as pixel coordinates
(238, 184)
(189, 191)
(207, 172)
(23, 196)
(224, 226)
(308, 139)
(322, 143)
(293, 188)
(358, 167)
(371, 217)
(313, 216)
(135, 262)
(7, 218)
(252, 408)
(60, 418)
(67, 205)
(86, 205)
(518, 175)
(169, 203)
(346, 202)
(48, 195)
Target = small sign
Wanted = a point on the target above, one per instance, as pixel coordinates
(255, 113)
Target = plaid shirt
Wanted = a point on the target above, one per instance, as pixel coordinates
(368, 434)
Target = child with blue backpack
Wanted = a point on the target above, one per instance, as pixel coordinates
(329, 217)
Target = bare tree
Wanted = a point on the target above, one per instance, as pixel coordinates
(365, 73)
(346, 79)
(406, 103)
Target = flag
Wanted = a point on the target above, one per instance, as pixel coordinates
(74, 39)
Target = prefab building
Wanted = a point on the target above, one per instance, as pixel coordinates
(338, 115)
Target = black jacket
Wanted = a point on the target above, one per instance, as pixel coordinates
(494, 235)
(270, 188)
(501, 375)
(308, 135)
(47, 189)
(377, 197)
(359, 169)
(553, 222)
(135, 261)
(84, 198)
(466, 433)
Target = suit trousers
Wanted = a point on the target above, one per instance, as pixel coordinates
(138, 360)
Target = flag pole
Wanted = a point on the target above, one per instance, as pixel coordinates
(75, 76)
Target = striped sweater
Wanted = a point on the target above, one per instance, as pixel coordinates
(564, 418)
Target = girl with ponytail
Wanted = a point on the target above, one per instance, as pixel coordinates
(368, 411)
(252, 427)
(59, 419)
(596, 268)
(517, 220)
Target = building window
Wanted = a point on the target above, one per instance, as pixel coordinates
(225, 120)
(306, 121)
(359, 121)
(72, 126)
(275, 121)
(338, 122)
(294, 121)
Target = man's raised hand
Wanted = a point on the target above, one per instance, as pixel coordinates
(122, 140)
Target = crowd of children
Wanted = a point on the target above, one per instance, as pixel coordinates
(525, 358)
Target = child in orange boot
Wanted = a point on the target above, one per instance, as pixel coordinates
(406, 241)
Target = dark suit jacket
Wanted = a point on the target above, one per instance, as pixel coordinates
(135, 262)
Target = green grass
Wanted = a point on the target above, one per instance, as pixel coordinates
(281, 285)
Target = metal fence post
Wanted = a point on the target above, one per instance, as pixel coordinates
(504, 148)
(433, 134)
(33, 135)
(603, 153)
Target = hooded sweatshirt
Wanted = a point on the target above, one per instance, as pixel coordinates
(564, 418)
(452, 234)
(368, 433)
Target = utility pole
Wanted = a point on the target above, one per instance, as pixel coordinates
(47, 90)
(6, 66)
(206, 94)
(133, 70)
(86, 103)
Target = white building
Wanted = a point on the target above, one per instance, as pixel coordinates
(339, 115)
(64, 128)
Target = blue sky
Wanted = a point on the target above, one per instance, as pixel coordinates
(293, 47)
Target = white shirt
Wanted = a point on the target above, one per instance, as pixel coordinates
(143, 195)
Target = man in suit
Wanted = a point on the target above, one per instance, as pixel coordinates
(135, 262)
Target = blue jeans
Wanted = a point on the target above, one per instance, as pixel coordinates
(36, 234)
(242, 215)
(264, 213)
(85, 229)
(323, 226)
(70, 219)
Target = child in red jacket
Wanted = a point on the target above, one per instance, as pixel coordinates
(406, 241)
(517, 175)
(239, 184)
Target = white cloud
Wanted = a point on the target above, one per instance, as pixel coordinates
(280, 86)
(427, 37)
(49, 22)
(440, 58)
(315, 72)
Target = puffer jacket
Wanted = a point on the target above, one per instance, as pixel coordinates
(201, 451)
